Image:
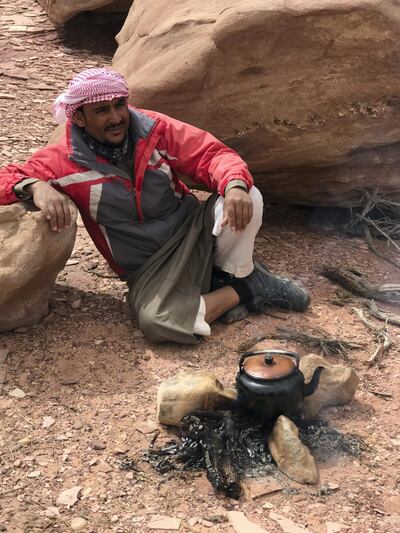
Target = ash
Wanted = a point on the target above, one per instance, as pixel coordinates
(231, 446)
(326, 442)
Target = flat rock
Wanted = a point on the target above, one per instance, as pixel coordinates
(241, 524)
(392, 504)
(261, 487)
(69, 496)
(185, 392)
(337, 384)
(335, 527)
(290, 454)
(287, 525)
(31, 257)
(316, 124)
(166, 523)
(17, 393)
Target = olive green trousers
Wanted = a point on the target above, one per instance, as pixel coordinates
(164, 294)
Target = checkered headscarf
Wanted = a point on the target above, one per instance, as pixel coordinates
(90, 85)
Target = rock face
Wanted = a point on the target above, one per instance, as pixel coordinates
(307, 92)
(292, 457)
(183, 393)
(337, 384)
(31, 257)
(61, 11)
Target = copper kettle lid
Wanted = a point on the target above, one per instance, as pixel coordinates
(269, 364)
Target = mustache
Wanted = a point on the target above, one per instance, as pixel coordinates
(112, 126)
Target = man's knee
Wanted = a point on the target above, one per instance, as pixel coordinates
(258, 206)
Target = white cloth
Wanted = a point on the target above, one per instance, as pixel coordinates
(233, 251)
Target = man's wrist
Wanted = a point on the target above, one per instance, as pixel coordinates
(236, 183)
(22, 189)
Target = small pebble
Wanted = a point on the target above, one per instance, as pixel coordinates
(35, 473)
(17, 393)
(79, 523)
(98, 444)
(76, 304)
(52, 512)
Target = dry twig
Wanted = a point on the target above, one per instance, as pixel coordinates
(372, 247)
(380, 336)
(380, 218)
(319, 341)
(388, 318)
(384, 395)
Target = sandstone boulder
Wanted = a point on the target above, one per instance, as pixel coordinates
(290, 454)
(337, 384)
(31, 257)
(185, 392)
(307, 92)
(61, 11)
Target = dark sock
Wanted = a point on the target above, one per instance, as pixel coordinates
(242, 288)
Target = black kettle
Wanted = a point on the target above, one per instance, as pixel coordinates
(270, 383)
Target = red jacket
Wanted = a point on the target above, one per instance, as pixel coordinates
(129, 219)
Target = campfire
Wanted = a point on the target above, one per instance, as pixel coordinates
(266, 427)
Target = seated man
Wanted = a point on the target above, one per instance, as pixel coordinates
(186, 263)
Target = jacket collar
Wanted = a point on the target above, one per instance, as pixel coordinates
(80, 152)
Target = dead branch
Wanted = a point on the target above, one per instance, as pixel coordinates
(388, 318)
(247, 345)
(384, 395)
(359, 285)
(379, 218)
(320, 341)
(380, 335)
(372, 247)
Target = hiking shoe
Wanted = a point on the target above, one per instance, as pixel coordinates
(274, 291)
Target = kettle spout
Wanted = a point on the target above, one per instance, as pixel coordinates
(313, 384)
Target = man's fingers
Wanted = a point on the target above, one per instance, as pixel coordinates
(238, 209)
(248, 214)
(67, 214)
(59, 207)
(57, 213)
(238, 217)
(51, 214)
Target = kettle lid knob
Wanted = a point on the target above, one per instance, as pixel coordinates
(269, 360)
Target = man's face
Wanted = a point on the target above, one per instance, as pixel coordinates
(107, 122)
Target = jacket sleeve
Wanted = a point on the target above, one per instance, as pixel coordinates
(44, 164)
(200, 156)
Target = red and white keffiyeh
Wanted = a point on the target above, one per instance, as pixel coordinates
(90, 85)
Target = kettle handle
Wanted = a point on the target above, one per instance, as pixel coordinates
(285, 353)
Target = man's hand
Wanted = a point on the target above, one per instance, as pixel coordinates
(238, 209)
(53, 204)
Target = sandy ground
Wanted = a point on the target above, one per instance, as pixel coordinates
(90, 378)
